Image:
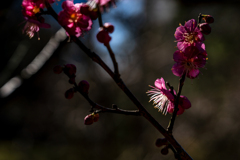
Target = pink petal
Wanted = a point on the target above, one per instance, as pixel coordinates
(178, 69)
(193, 73)
(190, 25)
(160, 83)
(180, 110)
(201, 60)
(178, 56)
(184, 102)
(168, 94)
(179, 33)
(68, 6)
(191, 51)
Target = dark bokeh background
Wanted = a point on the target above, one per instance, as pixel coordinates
(38, 123)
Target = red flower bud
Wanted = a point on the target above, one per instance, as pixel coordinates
(58, 69)
(208, 19)
(69, 93)
(161, 141)
(93, 15)
(84, 9)
(84, 86)
(205, 28)
(164, 151)
(88, 120)
(109, 27)
(96, 117)
(70, 69)
(103, 36)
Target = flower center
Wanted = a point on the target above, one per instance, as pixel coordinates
(190, 64)
(74, 17)
(36, 9)
(190, 37)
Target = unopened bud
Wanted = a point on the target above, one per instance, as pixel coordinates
(70, 69)
(84, 86)
(93, 15)
(208, 19)
(58, 69)
(164, 151)
(184, 102)
(84, 9)
(95, 117)
(69, 93)
(88, 120)
(161, 141)
(205, 28)
(109, 27)
(103, 36)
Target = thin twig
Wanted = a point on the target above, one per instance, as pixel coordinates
(112, 55)
(110, 51)
(171, 124)
(101, 108)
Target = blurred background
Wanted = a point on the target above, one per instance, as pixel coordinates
(38, 123)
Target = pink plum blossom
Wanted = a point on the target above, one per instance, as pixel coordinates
(189, 35)
(164, 100)
(32, 26)
(102, 4)
(74, 22)
(32, 7)
(189, 62)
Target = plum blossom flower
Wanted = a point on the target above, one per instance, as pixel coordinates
(164, 100)
(33, 26)
(74, 22)
(32, 7)
(189, 62)
(189, 35)
(101, 3)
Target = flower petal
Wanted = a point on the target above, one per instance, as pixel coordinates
(178, 69)
(179, 33)
(193, 73)
(184, 102)
(190, 25)
(160, 83)
(178, 56)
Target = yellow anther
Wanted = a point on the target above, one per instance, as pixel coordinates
(36, 9)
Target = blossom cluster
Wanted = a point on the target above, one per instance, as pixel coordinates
(75, 18)
(31, 10)
(190, 56)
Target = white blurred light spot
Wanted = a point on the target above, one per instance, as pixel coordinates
(10, 86)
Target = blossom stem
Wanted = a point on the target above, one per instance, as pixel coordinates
(99, 17)
(112, 55)
(110, 51)
(199, 18)
(105, 109)
(171, 124)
